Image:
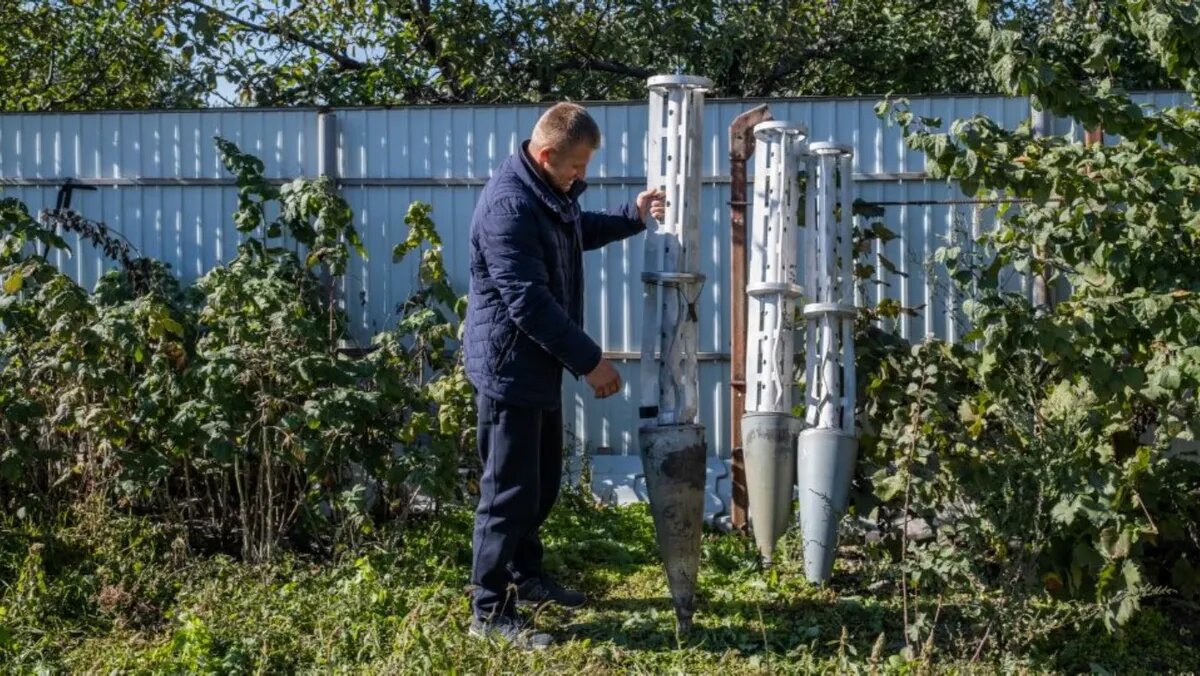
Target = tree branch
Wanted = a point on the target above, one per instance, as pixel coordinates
(81, 92)
(448, 70)
(789, 63)
(588, 63)
(344, 61)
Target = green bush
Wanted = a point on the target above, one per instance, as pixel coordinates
(1057, 458)
(227, 406)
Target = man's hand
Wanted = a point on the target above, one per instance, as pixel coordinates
(652, 202)
(604, 379)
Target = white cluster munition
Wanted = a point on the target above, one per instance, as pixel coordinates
(671, 439)
(768, 427)
(828, 449)
(771, 289)
(822, 457)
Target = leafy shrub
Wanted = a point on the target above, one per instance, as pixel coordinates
(228, 405)
(1058, 458)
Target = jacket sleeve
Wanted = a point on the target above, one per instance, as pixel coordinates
(601, 228)
(512, 251)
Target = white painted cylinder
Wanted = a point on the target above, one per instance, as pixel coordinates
(671, 271)
(830, 375)
(827, 452)
(771, 288)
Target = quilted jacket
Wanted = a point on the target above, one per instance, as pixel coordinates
(525, 309)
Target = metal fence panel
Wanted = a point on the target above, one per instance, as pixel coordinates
(161, 185)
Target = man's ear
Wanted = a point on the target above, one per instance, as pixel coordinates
(542, 154)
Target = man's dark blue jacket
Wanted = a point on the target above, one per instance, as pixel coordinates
(525, 312)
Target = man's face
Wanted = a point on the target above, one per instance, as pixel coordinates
(564, 167)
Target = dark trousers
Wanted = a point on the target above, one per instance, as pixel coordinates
(521, 452)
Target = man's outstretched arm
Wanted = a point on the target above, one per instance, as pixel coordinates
(600, 229)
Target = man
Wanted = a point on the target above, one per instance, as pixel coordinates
(524, 326)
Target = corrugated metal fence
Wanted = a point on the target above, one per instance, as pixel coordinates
(161, 185)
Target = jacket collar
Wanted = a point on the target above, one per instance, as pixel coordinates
(564, 204)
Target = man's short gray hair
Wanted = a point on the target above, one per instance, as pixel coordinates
(564, 126)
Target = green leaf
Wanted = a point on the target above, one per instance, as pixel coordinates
(1169, 378)
(882, 232)
(1134, 377)
(1115, 545)
(1064, 511)
(14, 283)
(173, 327)
(889, 487)
(1127, 608)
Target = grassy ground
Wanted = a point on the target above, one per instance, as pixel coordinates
(119, 594)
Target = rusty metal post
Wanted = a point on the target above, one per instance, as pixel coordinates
(741, 147)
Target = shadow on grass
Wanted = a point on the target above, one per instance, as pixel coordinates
(1151, 643)
(747, 627)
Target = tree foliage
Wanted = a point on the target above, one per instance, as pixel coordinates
(78, 54)
(334, 52)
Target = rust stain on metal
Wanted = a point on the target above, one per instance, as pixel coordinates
(741, 147)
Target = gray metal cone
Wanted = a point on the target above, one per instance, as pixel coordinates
(825, 470)
(769, 447)
(673, 458)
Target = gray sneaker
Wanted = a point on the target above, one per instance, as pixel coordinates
(512, 630)
(539, 590)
